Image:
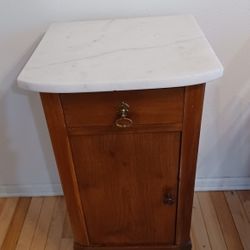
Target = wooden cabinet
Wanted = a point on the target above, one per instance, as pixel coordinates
(126, 157)
(131, 186)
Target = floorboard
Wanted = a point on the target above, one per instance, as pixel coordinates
(240, 218)
(220, 220)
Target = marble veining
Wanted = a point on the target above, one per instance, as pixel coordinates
(121, 54)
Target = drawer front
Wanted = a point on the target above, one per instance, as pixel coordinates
(146, 107)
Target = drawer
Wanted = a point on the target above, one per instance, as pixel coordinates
(146, 107)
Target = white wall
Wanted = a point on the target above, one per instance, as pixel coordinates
(27, 164)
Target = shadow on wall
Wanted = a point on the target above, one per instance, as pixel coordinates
(230, 132)
(8, 155)
(17, 143)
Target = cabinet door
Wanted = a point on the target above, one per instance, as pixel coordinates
(124, 179)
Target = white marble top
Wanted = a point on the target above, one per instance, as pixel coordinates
(121, 54)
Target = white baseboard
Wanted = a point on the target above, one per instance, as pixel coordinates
(218, 184)
(201, 184)
(30, 190)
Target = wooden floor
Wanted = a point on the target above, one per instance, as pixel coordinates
(221, 220)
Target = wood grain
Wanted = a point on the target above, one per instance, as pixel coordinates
(30, 223)
(6, 217)
(56, 124)
(122, 180)
(43, 224)
(130, 169)
(245, 201)
(199, 232)
(193, 104)
(240, 218)
(159, 106)
(194, 244)
(139, 129)
(211, 222)
(16, 224)
(67, 231)
(153, 247)
(56, 225)
(225, 219)
(2, 202)
(66, 242)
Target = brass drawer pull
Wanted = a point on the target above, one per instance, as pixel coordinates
(123, 121)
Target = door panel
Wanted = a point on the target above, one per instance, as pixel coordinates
(122, 180)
